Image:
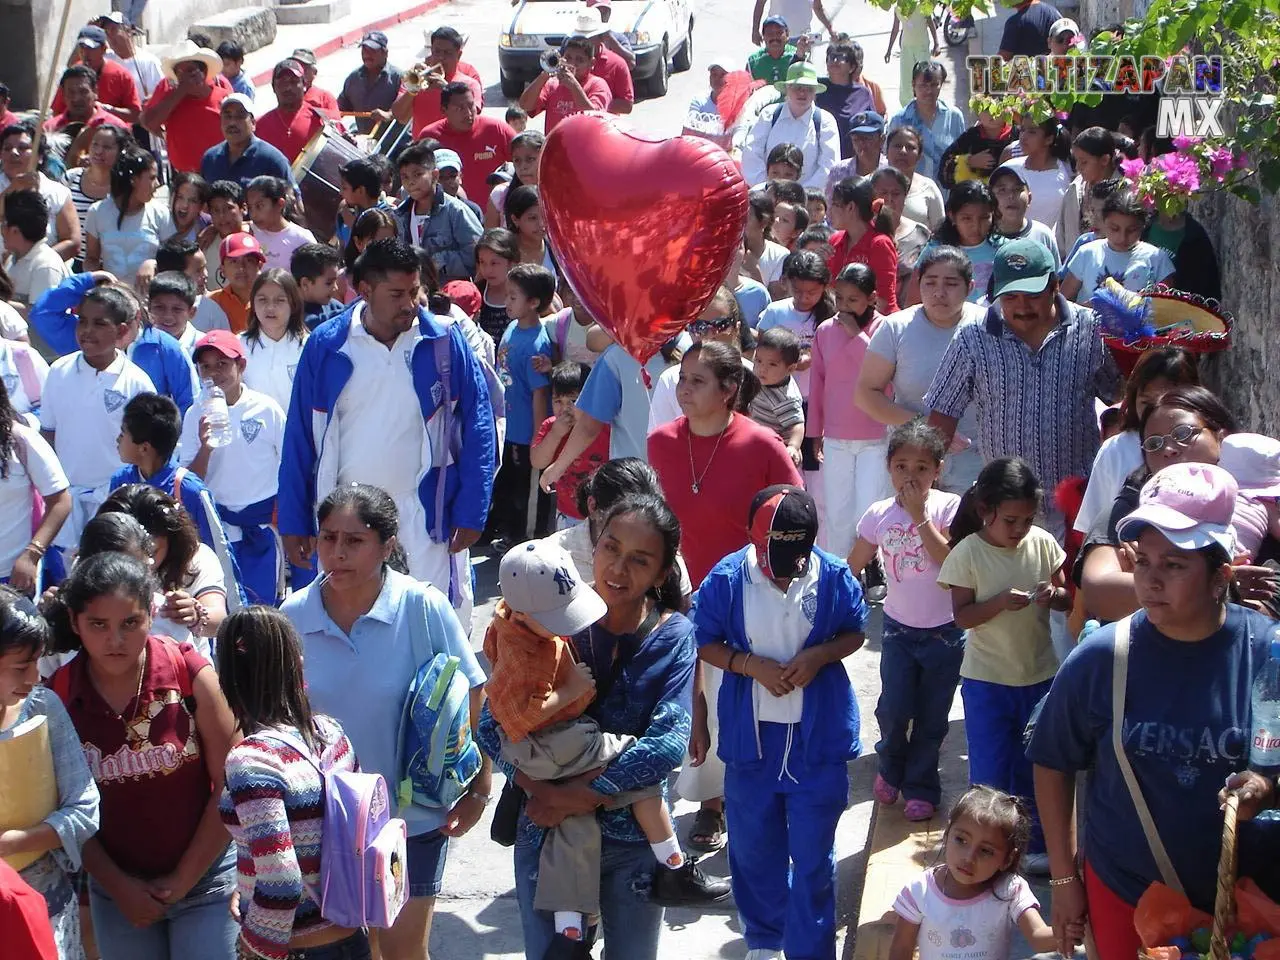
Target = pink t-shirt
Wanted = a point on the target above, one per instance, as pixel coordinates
(914, 597)
(278, 246)
(1250, 524)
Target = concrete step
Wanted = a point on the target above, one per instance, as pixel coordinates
(312, 11)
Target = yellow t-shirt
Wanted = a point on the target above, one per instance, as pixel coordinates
(1012, 648)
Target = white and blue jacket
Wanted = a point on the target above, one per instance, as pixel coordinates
(830, 723)
(309, 470)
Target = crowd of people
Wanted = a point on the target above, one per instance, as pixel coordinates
(247, 452)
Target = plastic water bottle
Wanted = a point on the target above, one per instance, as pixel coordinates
(213, 407)
(1264, 750)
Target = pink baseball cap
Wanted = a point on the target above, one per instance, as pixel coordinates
(1254, 461)
(241, 245)
(465, 294)
(1191, 504)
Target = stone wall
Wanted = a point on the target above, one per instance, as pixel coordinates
(1247, 239)
(30, 29)
(166, 21)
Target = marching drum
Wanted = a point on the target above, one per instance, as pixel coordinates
(316, 172)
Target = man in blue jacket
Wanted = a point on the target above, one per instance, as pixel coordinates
(159, 355)
(388, 395)
(433, 219)
(778, 617)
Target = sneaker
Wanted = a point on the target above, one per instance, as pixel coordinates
(918, 811)
(688, 886)
(883, 792)
(562, 948)
(1035, 864)
(763, 954)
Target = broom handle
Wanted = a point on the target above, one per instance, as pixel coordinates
(47, 99)
(1224, 906)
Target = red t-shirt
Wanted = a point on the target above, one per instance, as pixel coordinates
(613, 70)
(194, 125)
(878, 251)
(579, 470)
(324, 101)
(25, 929)
(115, 86)
(426, 105)
(559, 102)
(150, 771)
(713, 522)
(482, 149)
(100, 116)
(290, 134)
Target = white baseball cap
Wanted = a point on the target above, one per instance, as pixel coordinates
(539, 579)
(1254, 461)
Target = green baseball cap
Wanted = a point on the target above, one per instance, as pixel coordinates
(1022, 266)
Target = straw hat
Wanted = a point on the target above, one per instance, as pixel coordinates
(189, 51)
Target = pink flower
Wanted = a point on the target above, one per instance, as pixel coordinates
(1221, 162)
(1182, 173)
(1062, 115)
(1240, 161)
(1183, 143)
(1132, 169)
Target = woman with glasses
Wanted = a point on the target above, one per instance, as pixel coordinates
(1186, 425)
(720, 321)
(848, 92)
(939, 122)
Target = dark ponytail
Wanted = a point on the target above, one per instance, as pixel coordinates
(999, 482)
(861, 195)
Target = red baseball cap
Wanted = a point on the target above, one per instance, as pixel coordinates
(465, 294)
(241, 245)
(224, 341)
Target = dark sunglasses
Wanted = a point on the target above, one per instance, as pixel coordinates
(700, 328)
(1181, 435)
(839, 58)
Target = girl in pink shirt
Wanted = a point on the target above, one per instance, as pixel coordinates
(921, 647)
(849, 442)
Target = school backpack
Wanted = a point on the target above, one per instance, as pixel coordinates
(817, 120)
(439, 758)
(363, 880)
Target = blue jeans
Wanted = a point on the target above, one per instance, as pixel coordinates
(782, 816)
(197, 927)
(426, 854)
(919, 670)
(995, 717)
(625, 911)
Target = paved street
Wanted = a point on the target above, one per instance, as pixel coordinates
(477, 915)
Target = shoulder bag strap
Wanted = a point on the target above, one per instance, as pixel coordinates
(444, 369)
(1119, 680)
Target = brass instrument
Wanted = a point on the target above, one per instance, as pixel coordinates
(422, 75)
(551, 61)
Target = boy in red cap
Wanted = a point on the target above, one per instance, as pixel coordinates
(242, 261)
(243, 475)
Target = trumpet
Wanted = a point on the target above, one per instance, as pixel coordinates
(422, 75)
(551, 61)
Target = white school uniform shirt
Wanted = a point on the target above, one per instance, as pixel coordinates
(40, 269)
(247, 469)
(771, 262)
(270, 365)
(84, 407)
(821, 148)
(205, 575)
(11, 373)
(381, 436)
(43, 471)
(12, 326)
(777, 628)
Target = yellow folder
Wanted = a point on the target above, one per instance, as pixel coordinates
(28, 788)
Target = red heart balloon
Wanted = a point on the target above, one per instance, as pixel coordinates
(645, 230)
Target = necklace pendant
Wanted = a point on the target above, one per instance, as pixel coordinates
(696, 488)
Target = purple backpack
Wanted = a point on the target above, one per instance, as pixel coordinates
(362, 852)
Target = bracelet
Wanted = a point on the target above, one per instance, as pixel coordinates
(485, 798)
(1065, 881)
(744, 664)
(36, 547)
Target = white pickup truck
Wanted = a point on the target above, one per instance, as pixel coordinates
(660, 33)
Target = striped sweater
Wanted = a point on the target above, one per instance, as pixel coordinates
(273, 806)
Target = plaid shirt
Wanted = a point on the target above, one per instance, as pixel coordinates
(1034, 404)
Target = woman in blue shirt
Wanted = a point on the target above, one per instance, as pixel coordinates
(642, 657)
(1192, 656)
(939, 123)
(358, 624)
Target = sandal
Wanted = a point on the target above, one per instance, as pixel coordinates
(708, 832)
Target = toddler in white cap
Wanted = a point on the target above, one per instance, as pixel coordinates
(1254, 461)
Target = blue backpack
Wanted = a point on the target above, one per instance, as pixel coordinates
(439, 757)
